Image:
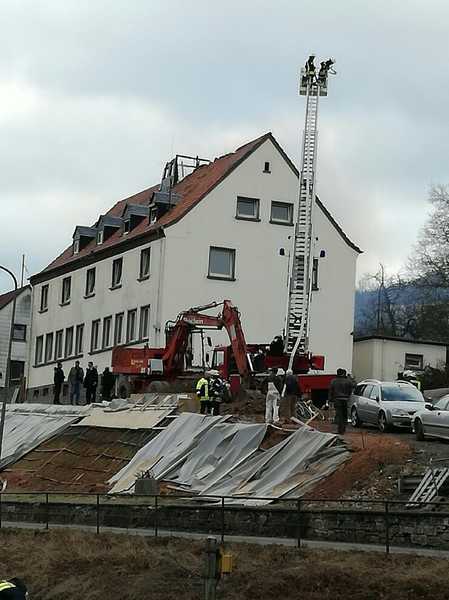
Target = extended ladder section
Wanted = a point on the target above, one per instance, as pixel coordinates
(300, 286)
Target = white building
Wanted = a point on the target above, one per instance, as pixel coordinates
(380, 357)
(20, 335)
(217, 234)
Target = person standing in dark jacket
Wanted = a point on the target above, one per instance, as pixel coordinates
(58, 380)
(91, 382)
(339, 393)
(107, 384)
(292, 394)
(76, 378)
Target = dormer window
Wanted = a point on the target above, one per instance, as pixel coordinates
(82, 237)
(133, 215)
(107, 225)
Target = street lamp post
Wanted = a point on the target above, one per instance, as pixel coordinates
(8, 362)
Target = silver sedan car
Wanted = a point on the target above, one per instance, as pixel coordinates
(385, 404)
(433, 421)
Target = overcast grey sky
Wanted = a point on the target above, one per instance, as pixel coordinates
(96, 95)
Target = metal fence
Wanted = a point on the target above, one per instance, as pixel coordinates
(389, 523)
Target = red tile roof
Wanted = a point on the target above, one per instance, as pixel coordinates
(5, 299)
(192, 190)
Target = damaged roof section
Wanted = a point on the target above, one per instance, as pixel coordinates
(81, 459)
(77, 449)
(208, 456)
(28, 425)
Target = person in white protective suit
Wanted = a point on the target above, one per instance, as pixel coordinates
(272, 404)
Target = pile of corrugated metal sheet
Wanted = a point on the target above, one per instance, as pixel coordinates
(210, 457)
(28, 425)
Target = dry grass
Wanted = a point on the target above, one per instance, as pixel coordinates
(63, 565)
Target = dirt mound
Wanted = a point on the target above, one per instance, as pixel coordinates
(369, 471)
(250, 403)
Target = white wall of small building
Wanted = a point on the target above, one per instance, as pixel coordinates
(19, 349)
(384, 359)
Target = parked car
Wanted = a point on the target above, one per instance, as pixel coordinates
(433, 421)
(385, 404)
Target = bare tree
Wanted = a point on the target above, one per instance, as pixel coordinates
(429, 264)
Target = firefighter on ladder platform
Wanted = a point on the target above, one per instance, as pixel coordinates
(325, 67)
(310, 67)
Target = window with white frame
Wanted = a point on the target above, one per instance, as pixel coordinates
(79, 339)
(117, 267)
(131, 323)
(90, 282)
(144, 330)
(95, 335)
(58, 344)
(100, 236)
(221, 263)
(76, 246)
(145, 256)
(39, 350)
(44, 298)
(282, 213)
(48, 347)
(68, 347)
(107, 330)
(66, 290)
(118, 329)
(247, 208)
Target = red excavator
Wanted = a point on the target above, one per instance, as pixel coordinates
(142, 365)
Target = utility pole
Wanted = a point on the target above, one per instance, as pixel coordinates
(8, 363)
(210, 579)
(22, 271)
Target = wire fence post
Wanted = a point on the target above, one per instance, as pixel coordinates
(46, 511)
(156, 515)
(387, 528)
(98, 513)
(298, 507)
(222, 519)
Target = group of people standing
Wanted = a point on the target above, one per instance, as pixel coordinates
(77, 379)
(211, 391)
(282, 394)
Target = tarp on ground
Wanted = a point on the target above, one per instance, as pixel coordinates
(28, 425)
(208, 456)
